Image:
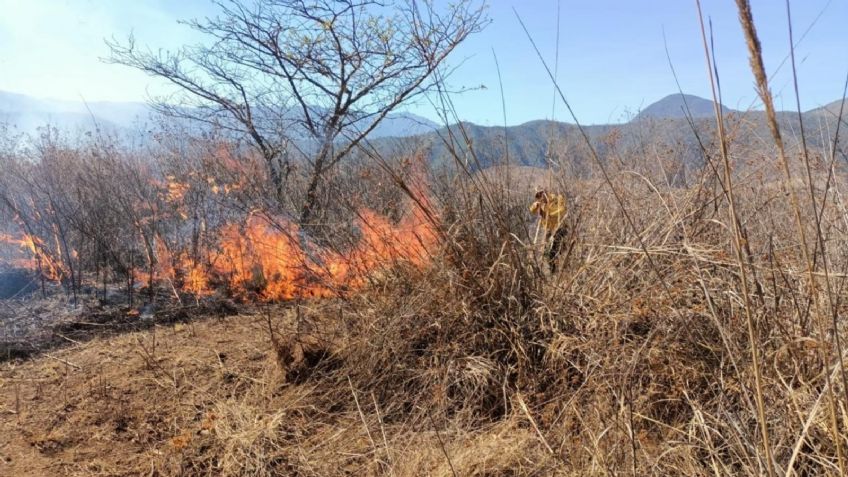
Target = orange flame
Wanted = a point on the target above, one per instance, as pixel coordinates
(272, 259)
(39, 258)
(276, 262)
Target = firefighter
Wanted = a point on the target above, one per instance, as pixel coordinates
(552, 210)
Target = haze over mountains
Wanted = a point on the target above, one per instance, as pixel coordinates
(26, 114)
(528, 144)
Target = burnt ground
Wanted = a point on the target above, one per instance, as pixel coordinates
(17, 283)
(34, 325)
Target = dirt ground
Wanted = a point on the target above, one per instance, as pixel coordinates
(125, 405)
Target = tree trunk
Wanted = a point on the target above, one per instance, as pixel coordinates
(310, 203)
(276, 178)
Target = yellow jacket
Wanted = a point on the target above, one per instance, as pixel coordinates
(552, 213)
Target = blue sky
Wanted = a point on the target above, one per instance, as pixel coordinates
(611, 55)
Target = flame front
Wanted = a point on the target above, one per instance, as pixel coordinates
(38, 258)
(278, 262)
(254, 256)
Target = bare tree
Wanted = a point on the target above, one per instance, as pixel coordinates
(311, 76)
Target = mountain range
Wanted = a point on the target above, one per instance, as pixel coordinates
(663, 122)
(661, 126)
(676, 106)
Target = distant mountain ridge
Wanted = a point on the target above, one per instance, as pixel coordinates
(527, 144)
(832, 110)
(677, 106)
(27, 113)
(662, 124)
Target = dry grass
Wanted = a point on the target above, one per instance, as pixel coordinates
(477, 365)
(687, 333)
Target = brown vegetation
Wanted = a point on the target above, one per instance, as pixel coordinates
(476, 364)
(693, 328)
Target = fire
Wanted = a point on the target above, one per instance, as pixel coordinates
(259, 257)
(278, 262)
(269, 258)
(181, 272)
(176, 190)
(185, 241)
(38, 257)
(196, 280)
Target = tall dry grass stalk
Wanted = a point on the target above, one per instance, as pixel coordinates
(746, 20)
(740, 261)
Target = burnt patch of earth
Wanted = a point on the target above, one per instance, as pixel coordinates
(17, 283)
(31, 327)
